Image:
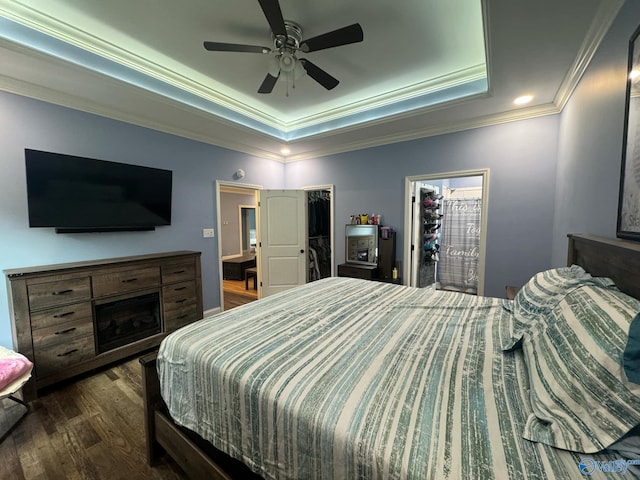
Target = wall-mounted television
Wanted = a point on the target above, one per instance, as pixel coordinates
(77, 194)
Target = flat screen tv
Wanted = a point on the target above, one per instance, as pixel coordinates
(77, 194)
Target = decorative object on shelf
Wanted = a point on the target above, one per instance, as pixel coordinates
(365, 219)
(629, 201)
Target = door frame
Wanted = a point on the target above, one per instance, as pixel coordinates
(245, 188)
(408, 193)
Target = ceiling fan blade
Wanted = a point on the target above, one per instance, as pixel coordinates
(342, 36)
(319, 75)
(234, 47)
(268, 83)
(272, 11)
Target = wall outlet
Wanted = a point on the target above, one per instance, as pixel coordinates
(208, 233)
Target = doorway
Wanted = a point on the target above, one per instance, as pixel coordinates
(320, 224)
(317, 245)
(446, 218)
(237, 236)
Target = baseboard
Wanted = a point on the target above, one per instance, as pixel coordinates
(211, 311)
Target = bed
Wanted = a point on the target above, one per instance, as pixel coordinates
(347, 378)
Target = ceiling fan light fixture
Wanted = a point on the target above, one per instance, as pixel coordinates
(287, 62)
(299, 70)
(287, 41)
(274, 66)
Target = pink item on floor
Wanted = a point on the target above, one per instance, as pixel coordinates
(11, 368)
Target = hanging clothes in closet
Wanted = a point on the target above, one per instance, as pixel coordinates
(319, 202)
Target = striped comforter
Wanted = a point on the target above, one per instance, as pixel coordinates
(352, 379)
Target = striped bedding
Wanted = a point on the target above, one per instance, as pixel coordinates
(351, 379)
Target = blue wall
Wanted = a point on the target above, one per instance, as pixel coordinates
(590, 146)
(196, 167)
(521, 157)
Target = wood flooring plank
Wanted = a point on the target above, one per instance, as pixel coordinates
(10, 466)
(89, 429)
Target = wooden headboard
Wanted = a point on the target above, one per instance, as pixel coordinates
(608, 257)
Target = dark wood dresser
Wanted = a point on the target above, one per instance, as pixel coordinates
(73, 317)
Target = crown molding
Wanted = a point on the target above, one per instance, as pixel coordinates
(36, 20)
(434, 85)
(607, 12)
(20, 87)
(452, 127)
(38, 92)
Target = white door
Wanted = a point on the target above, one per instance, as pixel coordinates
(282, 251)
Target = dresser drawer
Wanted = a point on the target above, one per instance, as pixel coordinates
(176, 272)
(59, 315)
(180, 315)
(179, 294)
(55, 358)
(124, 281)
(62, 333)
(50, 294)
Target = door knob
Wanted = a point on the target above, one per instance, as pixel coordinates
(301, 251)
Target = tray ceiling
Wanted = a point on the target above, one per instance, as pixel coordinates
(423, 69)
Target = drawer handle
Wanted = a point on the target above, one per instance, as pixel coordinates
(62, 292)
(65, 314)
(179, 271)
(129, 280)
(181, 301)
(182, 316)
(67, 353)
(68, 330)
(179, 288)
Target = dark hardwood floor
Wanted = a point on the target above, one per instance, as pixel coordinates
(91, 428)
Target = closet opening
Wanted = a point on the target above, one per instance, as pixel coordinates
(446, 218)
(320, 232)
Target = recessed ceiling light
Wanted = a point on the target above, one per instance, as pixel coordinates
(524, 99)
(634, 74)
(285, 151)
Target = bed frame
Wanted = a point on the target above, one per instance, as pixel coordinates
(602, 257)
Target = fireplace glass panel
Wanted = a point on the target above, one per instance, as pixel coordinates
(126, 321)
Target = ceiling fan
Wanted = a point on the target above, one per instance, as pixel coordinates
(287, 42)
